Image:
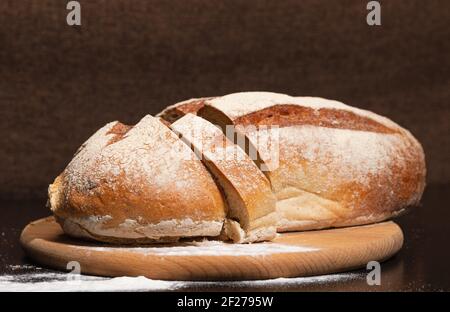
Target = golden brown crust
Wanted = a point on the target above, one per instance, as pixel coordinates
(337, 165)
(378, 180)
(287, 115)
(246, 189)
(142, 182)
(119, 130)
(176, 111)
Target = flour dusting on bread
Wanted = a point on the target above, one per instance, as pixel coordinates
(148, 173)
(329, 165)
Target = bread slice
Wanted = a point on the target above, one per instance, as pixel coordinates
(137, 184)
(251, 203)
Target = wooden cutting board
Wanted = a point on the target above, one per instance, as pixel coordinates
(289, 255)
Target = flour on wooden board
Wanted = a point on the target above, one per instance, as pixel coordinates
(210, 248)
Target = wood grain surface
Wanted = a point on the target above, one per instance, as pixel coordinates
(318, 252)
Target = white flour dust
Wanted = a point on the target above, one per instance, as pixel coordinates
(210, 248)
(46, 281)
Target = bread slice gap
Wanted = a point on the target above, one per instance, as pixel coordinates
(174, 112)
(235, 134)
(251, 213)
(201, 108)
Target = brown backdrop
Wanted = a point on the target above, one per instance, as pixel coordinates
(58, 84)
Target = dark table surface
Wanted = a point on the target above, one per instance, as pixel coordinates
(421, 265)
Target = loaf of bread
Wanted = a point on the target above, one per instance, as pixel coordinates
(304, 163)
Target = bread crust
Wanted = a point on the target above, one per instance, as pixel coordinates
(335, 165)
(174, 112)
(246, 189)
(138, 183)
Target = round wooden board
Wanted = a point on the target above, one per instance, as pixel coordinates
(289, 255)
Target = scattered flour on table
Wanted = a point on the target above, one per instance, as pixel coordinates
(23, 267)
(56, 282)
(64, 282)
(211, 248)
